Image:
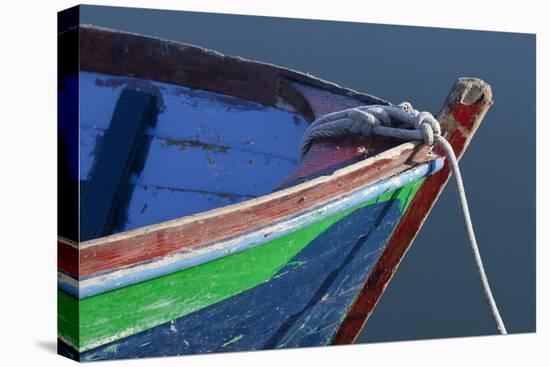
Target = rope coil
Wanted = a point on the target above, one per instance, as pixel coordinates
(414, 125)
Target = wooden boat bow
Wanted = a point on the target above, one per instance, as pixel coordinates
(163, 267)
(461, 115)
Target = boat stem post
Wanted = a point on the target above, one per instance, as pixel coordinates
(461, 115)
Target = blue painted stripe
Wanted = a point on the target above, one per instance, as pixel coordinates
(143, 272)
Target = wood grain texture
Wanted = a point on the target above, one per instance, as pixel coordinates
(463, 111)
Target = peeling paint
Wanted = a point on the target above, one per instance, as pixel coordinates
(185, 144)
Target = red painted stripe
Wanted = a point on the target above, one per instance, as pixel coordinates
(67, 259)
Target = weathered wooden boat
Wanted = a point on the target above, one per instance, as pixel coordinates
(197, 229)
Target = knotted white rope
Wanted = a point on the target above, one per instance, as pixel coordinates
(403, 122)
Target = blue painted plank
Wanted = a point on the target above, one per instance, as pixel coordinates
(190, 165)
(89, 138)
(199, 167)
(195, 115)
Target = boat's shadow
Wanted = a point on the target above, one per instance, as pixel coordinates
(48, 345)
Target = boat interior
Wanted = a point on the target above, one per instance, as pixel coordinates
(154, 144)
(203, 151)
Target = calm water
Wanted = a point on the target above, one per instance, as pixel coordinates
(436, 291)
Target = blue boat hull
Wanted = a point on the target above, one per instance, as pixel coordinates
(303, 305)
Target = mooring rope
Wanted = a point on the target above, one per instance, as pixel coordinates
(403, 122)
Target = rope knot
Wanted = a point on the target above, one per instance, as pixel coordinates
(428, 126)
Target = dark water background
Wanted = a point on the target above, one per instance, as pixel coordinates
(436, 292)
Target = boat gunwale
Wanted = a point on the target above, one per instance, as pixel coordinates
(228, 209)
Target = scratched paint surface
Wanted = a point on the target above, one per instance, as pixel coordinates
(126, 311)
(300, 304)
(205, 151)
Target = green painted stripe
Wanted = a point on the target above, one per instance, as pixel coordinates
(412, 190)
(116, 314)
(67, 318)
